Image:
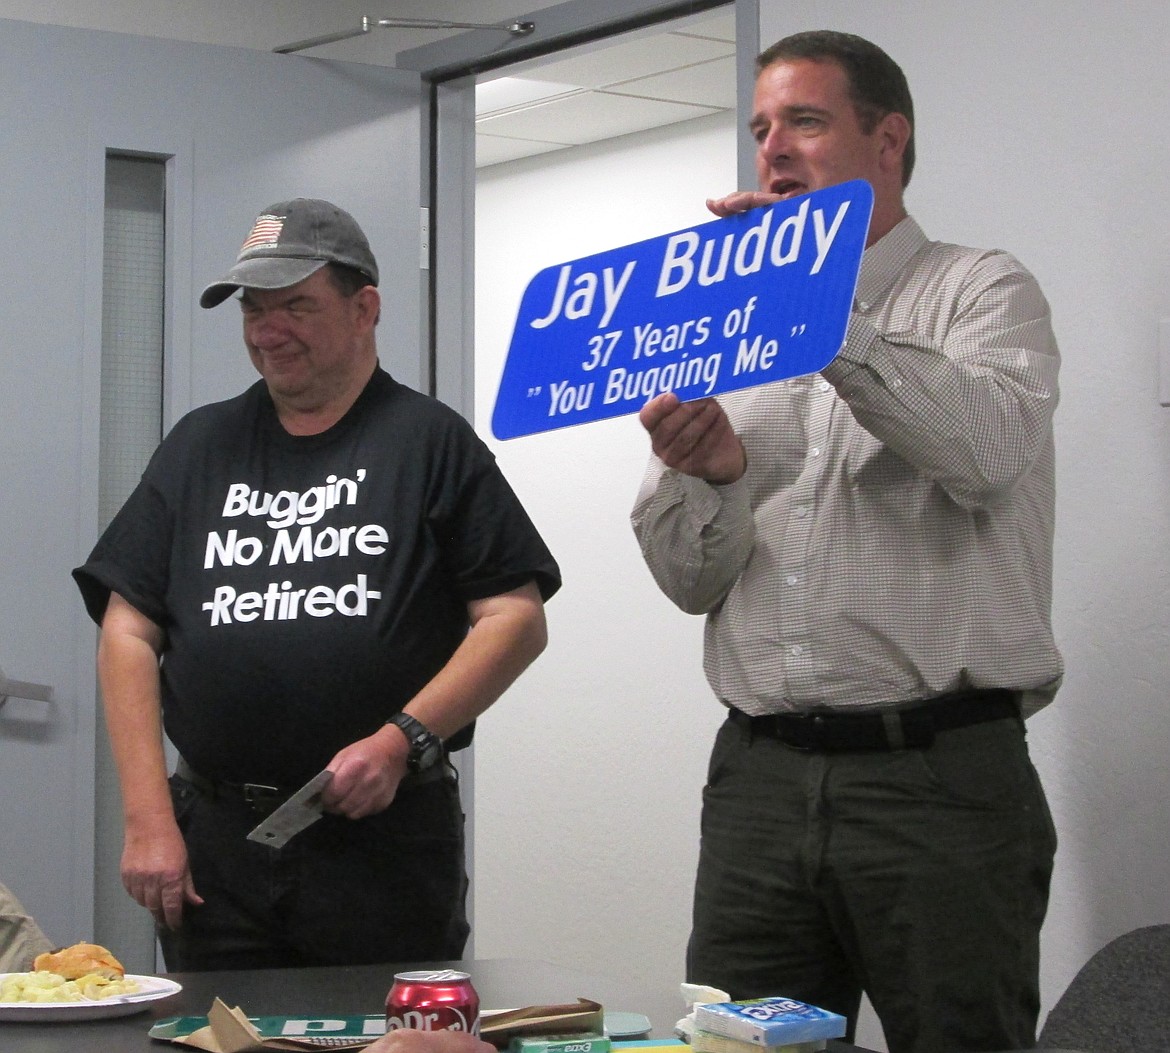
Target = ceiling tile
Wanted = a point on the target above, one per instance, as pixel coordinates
(496, 149)
(719, 27)
(708, 83)
(589, 117)
(634, 58)
(496, 96)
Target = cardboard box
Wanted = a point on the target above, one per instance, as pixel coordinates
(582, 1017)
(226, 1030)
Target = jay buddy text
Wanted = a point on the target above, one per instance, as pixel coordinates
(732, 303)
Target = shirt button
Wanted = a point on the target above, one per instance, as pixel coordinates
(796, 650)
(792, 579)
(815, 451)
(800, 511)
(825, 385)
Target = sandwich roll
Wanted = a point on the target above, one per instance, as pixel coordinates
(82, 959)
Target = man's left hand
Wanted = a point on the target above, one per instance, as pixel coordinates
(741, 201)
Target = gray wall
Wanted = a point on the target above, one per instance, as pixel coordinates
(588, 771)
(240, 130)
(1042, 131)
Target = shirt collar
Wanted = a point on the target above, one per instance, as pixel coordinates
(884, 260)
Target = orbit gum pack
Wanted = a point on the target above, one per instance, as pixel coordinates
(769, 1022)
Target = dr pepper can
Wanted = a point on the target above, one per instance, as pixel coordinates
(433, 1001)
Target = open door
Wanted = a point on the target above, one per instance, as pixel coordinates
(235, 130)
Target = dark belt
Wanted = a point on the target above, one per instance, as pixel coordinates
(264, 799)
(911, 727)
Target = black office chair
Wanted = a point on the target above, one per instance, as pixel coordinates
(1119, 1002)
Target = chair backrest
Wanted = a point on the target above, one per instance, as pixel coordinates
(1119, 1002)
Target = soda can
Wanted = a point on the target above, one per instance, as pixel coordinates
(443, 1000)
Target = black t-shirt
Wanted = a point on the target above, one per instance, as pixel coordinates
(309, 586)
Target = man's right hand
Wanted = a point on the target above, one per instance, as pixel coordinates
(155, 870)
(694, 438)
(366, 774)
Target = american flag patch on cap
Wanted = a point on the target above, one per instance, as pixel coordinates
(265, 231)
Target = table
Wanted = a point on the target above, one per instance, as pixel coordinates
(343, 991)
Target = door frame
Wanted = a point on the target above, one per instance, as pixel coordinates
(450, 68)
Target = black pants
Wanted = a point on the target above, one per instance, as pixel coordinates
(388, 888)
(919, 876)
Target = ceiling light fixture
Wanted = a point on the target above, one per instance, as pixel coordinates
(516, 29)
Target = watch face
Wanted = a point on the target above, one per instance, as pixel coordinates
(425, 747)
(428, 751)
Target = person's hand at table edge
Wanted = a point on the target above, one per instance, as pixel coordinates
(410, 1040)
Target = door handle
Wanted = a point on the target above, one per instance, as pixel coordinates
(23, 689)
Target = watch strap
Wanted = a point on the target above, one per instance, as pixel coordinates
(425, 747)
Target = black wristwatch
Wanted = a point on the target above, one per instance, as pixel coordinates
(425, 746)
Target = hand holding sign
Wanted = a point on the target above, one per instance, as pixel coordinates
(695, 438)
(740, 301)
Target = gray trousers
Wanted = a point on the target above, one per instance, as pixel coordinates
(919, 876)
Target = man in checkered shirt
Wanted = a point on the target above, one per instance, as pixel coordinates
(872, 549)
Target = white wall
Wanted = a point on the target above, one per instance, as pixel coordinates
(1041, 129)
(588, 773)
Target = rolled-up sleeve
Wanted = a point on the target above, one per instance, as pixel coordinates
(696, 538)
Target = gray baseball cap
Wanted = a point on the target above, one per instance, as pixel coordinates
(291, 240)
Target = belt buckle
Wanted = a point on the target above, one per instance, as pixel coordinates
(258, 796)
(916, 731)
(805, 731)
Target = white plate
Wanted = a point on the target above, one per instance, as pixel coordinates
(150, 989)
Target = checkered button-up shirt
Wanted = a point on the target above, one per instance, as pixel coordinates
(892, 537)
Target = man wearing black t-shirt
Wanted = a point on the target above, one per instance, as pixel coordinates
(328, 572)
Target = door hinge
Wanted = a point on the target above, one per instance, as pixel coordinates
(23, 689)
(424, 238)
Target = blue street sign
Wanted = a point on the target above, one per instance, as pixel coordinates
(746, 300)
